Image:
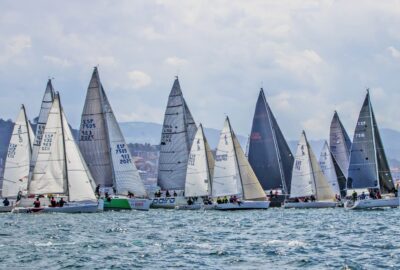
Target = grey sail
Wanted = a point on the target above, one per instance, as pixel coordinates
(47, 102)
(368, 164)
(269, 154)
(340, 144)
(341, 178)
(177, 136)
(93, 138)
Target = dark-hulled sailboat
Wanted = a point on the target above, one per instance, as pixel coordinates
(177, 136)
(269, 153)
(340, 146)
(369, 168)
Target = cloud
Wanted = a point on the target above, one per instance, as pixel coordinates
(175, 61)
(14, 46)
(57, 61)
(139, 78)
(394, 52)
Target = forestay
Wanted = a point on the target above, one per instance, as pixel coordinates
(200, 167)
(42, 119)
(176, 140)
(226, 180)
(16, 169)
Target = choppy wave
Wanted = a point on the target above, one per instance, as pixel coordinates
(271, 239)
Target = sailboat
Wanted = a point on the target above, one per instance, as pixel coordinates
(308, 180)
(60, 170)
(200, 168)
(233, 175)
(269, 154)
(369, 168)
(177, 136)
(45, 107)
(16, 170)
(340, 145)
(326, 162)
(106, 153)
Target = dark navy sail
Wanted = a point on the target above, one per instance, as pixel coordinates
(368, 164)
(269, 153)
(340, 144)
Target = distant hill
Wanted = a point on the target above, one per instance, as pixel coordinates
(144, 132)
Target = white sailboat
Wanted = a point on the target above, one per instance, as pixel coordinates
(16, 169)
(308, 180)
(233, 175)
(328, 168)
(200, 169)
(106, 152)
(60, 170)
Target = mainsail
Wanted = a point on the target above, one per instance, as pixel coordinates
(47, 101)
(16, 169)
(60, 167)
(103, 145)
(340, 144)
(368, 163)
(308, 178)
(328, 168)
(269, 154)
(200, 167)
(233, 174)
(177, 136)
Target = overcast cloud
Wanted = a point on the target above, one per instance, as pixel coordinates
(312, 57)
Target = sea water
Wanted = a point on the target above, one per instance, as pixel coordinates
(163, 239)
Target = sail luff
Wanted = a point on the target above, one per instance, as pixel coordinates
(240, 188)
(63, 142)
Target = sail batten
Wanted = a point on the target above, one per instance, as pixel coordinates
(269, 154)
(178, 132)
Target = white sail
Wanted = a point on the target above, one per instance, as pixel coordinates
(328, 168)
(226, 179)
(42, 119)
(80, 181)
(176, 139)
(199, 172)
(49, 173)
(252, 189)
(323, 188)
(302, 184)
(126, 175)
(16, 169)
(93, 136)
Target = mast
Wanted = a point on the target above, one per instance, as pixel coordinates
(206, 155)
(311, 166)
(63, 139)
(276, 148)
(236, 157)
(107, 127)
(373, 139)
(27, 128)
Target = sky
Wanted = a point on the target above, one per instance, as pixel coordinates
(311, 58)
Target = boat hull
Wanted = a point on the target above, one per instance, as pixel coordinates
(87, 207)
(306, 205)
(197, 206)
(168, 202)
(6, 209)
(244, 205)
(372, 204)
(127, 204)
